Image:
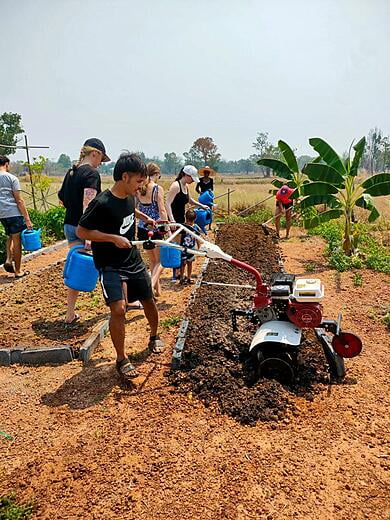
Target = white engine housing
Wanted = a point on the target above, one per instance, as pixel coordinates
(308, 290)
(277, 332)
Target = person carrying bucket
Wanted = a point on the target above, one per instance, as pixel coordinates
(284, 205)
(109, 222)
(81, 185)
(178, 197)
(14, 217)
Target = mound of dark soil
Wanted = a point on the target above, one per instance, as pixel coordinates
(213, 366)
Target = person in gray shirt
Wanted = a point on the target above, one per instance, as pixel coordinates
(14, 217)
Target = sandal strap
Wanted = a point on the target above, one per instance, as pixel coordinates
(156, 345)
(125, 368)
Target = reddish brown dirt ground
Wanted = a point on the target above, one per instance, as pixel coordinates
(86, 448)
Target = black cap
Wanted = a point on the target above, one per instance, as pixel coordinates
(94, 142)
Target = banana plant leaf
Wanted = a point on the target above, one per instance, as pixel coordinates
(288, 156)
(376, 179)
(359, 150)
(378, 190)
(279, 167)
(313, 200)
(328, 155)
(278, 183)
(318, 188)
(323, 217)
(365, 201)
(323, 172)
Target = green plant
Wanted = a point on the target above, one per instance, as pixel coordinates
(10, 509)
(172, 321)
(287, 169)
(386, 319)
(310, 267)
(357, 280)
(334, 184)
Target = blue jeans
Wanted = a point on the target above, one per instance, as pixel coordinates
(70, 233)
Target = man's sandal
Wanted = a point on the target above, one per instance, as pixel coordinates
(126, 370)
(156, 345)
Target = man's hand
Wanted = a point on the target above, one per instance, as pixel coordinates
(121, 242)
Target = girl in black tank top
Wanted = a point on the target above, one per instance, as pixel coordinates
(179, 203)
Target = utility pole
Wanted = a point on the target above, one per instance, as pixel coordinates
(27, 148)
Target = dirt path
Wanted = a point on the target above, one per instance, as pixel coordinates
(85, 448)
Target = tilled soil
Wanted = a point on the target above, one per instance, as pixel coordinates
(33, 311)
(213, 366)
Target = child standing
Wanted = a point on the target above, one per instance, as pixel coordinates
(189, 241)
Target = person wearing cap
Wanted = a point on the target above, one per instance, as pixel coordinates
(178, 196)
(206, 182)
(81, 185)
(284, 205)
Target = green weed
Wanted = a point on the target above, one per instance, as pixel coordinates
(310, 267)
(386, 319)
(172, 321)
(10, 509)
(357, 280)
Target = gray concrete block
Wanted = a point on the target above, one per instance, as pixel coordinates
(5, 356)
(46, 356)
(15, 354)
(92, 342)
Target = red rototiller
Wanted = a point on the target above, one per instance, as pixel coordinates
(281, 309)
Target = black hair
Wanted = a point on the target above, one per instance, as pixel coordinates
(190, 215)
(129, 163)
(180, 175)
(4, 160)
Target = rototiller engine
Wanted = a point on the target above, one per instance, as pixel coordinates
(281, 309)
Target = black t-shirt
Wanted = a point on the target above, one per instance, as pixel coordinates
(72, 191)
(115, 216)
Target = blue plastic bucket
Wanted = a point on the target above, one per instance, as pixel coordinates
(207, 198)
(204, 217)
(31, 239)
(80, 272)
(170, 257)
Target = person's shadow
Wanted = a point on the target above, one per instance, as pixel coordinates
(57, 330)
(86, 388)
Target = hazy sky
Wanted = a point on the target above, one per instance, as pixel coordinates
(156, 75)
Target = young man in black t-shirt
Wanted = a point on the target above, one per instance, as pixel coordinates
(109, 222)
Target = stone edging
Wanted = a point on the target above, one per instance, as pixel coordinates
(181, 337)
(55, 355)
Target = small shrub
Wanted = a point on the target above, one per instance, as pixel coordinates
(310, 267)
(10, 509)
(357, 280)
(172, 321)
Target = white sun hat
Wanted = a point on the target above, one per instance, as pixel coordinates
(191, 171)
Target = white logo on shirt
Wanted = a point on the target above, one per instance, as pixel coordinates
(126, 224)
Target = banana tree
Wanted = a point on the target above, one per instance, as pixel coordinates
(287, 169)
(333, 182)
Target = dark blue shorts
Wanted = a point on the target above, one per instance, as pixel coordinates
(139, 286)
(13, 225)
(285, 206)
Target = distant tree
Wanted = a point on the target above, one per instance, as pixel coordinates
(172, 163)
(203, 152)
(10, 128)
(64, 161)
(374, 149)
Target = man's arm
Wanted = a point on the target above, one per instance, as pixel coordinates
(97, 236)
(22, 208)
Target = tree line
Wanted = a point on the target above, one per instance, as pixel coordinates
(203, 152)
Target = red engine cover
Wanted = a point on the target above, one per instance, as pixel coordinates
(305, 315)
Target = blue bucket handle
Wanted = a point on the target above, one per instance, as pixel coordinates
(70, 254)
(31, 231)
